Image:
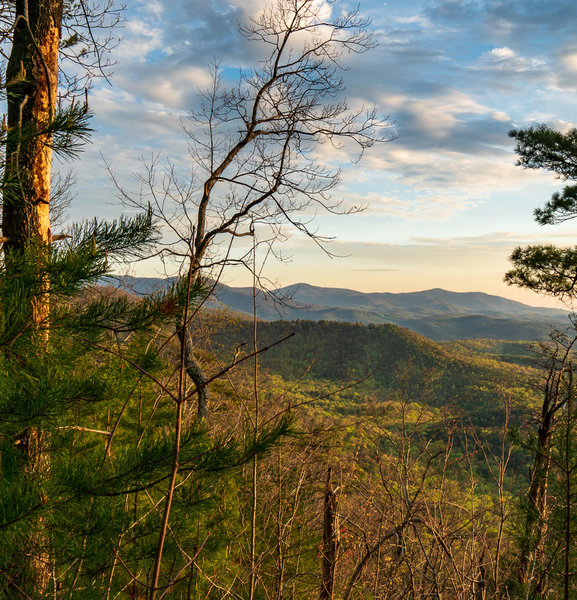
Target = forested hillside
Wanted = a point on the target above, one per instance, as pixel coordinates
(378, 357)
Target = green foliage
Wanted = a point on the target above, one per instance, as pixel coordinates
(546, 527)
(71, 391)
(562, 207)
(377, 357)
(542, 147)
(548, 269)
(70, 130)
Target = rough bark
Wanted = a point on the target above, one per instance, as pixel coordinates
(31, 84)
(195, 372)
(532, 548)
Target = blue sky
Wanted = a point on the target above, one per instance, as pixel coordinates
(445, 203)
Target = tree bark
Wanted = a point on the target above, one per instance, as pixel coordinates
(31, 84)
(194, 371)
(536, 523)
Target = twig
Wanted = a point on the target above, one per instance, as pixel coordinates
(79, 428)
(175, 580)
(18, 589)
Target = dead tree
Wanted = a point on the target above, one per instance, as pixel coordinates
(331, 540)
(558, 359)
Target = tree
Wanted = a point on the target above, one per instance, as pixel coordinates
(37, 120)
(546, 268)
(123, 477)
(34, 126)
(253, 150)
(546, 545)
(331, 532)
(557, 357)
(254, 147)
(38, 280)
(551, 270)
(31, 81)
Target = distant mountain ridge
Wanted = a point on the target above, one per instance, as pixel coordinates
(438, 314)
(434, 302)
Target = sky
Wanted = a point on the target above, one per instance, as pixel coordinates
(445, 203)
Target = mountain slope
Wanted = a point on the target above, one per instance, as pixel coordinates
(388, 359)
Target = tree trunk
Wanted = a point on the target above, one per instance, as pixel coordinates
(536, 520)
(532, 548)
(330, 541)
(194, 371)
(31, 83)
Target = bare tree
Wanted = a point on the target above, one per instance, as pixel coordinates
(330, 540)
(256, 148)
(557, 357)
(255, 151)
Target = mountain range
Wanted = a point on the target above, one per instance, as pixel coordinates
(437, 314)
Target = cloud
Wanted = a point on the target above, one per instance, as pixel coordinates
(507, 60)
(455, 76)
(569, 62)
(523, 21)
(169, 84)
(140, 38)
(433, 119)
(422, 207)
(452, 149)
(378, 270)
(565, 69)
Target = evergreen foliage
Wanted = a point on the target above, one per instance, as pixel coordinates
(102, 395)
(545, 268)
(99, 393)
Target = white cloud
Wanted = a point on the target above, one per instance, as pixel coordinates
(446, 170)
(140, 38)
(453, 102)
(435, 116)
(499, 115)
(169, 85)
(569, 62)
(422, 207)
(505, 59)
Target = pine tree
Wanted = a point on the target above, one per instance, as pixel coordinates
(546, 268)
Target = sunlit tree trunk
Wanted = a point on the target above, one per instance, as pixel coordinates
(31, 84)
(31, 80)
